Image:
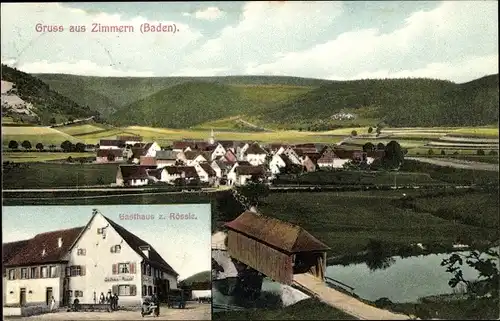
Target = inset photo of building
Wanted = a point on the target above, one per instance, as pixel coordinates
(113, 262)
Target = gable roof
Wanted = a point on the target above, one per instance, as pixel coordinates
(10, 249)
(135, 243)
(31, 253)
(136, 171)
(146, 160)
(285, 159)
(287, 237)
(166, 155)
(129, 138)
(221, 164)
(255, 149)
(192, 154)
(137, 152)
(107, 152)
(250, 170)
(111, 142)
(208, 169)
(189, 171)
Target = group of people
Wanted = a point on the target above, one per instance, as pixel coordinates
(111, 299)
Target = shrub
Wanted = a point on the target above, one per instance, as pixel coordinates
(430, 152)
(443, 152)
(480, 152)
(455, 153)
(493, 153)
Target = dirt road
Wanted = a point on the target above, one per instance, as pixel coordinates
(193, 311)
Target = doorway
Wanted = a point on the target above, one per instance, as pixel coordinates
(22, 297)
(48, 295)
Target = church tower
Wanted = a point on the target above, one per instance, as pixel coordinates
(212, 138)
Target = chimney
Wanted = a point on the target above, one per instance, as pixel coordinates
(59, 242)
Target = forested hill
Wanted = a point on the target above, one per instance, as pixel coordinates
(397, 102)
(47, 102)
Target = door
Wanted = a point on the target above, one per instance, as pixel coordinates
(65, 292)
(48, 296)
(22, 297)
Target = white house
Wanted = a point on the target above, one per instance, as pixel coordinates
(135, 175)
(240, 151)
(278, 162)
(255, 155)
(169, 174)
(130, 140)
(193, 158)
(111, 144)
(241, 174)
(110, 155)
(292, 155)
(205, 172)
(83, 262)
(151, 149)
(216, 151)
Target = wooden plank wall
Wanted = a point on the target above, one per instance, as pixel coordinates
(272, 263)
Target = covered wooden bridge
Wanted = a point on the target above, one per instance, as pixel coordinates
(275, 248)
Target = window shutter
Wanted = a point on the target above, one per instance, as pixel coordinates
(57, 271)
(132, 268)
(68, 271)
(133, 290)
(37, 273)
(84, 252)
(82, 270)
(115, 268)
(115, 289)
(17, 274)
(112, 249)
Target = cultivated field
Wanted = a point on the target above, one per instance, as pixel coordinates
(40, 156)
(34, 135)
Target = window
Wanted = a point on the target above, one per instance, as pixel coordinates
(123, 268)
(116, 249)
(75, 270)
(150, 290)
(24, 273)
(149, 270)
(81, 252)
(100, 230)
(43, 272)
(70, 293)
(53, 272)
(144, 290)
(78, 294)
(12, 274)
(154, 290)
(32, 273)
(123, 290)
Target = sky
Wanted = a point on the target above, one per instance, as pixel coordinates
(453, 40)
(184, 244)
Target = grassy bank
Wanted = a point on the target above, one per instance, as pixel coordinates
(30, 157)
(348, 221)
(47, 175)
(303, 310)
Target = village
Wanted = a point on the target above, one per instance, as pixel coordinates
(218, 163)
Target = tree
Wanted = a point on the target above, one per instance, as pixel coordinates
(71, 119)
(430, 152)
(26, 144)
(393, 157)
(111, 157)
(370, 130)
(39, 146)
(493, 153)
(380, 146)
(69, 159)
(480, 152)
(13, 144)
(66, 146)
(368, 147)
(53, 121)
(80, 147)
(379, 130)
(443, 152)
(354, 133)
(254, 192)
(484, 262)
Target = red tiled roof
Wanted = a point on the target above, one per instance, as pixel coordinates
(147, 160)
(32, 253)
(229, 155)
(9, 250)
(282, 235)
(107, 152)
(250, 170)
(137, 152)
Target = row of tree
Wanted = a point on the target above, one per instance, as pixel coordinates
(66, 146)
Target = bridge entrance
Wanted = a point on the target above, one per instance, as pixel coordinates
(275, 248)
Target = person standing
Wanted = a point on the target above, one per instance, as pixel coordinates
(52, 304)
(102, 299)
(115, 299)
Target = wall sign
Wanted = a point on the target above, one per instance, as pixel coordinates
(118, 278)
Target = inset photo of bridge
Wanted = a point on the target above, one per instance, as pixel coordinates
(107, 262)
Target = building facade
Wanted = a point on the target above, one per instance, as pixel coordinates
(82, 263)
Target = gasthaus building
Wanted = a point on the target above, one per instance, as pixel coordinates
(82, 262)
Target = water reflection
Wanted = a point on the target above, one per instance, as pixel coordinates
(379, 263)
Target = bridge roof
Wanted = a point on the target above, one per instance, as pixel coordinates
(279, 234)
